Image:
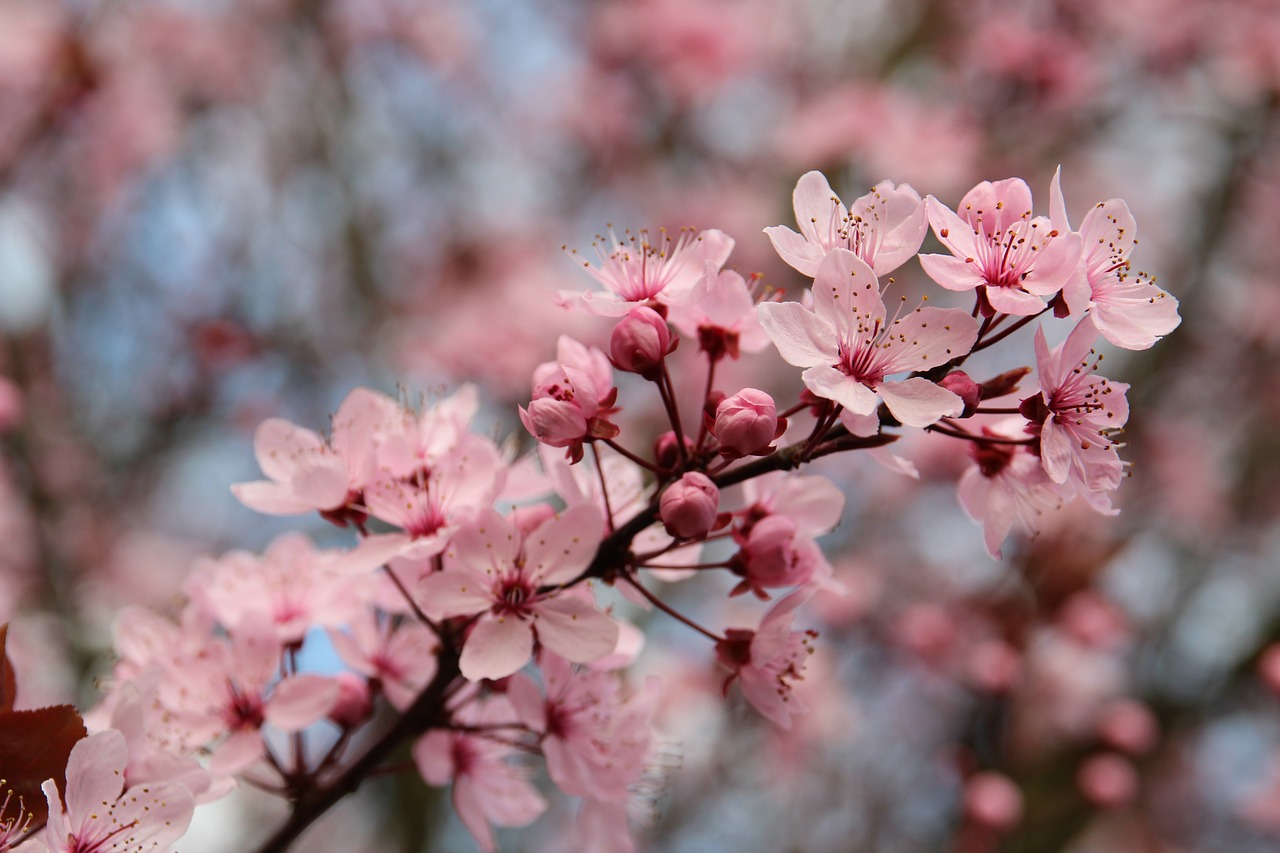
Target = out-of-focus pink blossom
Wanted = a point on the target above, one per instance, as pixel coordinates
(102, 814)
(775, 554)
(354, 705)
(487, 789)
(1108, 780)
(509, 580)
(1129, 726)
(768, 662)
(992, 800)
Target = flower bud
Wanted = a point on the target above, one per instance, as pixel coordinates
(354, 704)
(959, 383)
(640, 342)
(666, 450)
(688, 506)
(747, 423)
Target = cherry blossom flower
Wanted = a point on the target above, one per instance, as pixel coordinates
(15, 822)
(885, 227)
(305, 472)
(487, 789)
(768, 661)
(641, 267)
(401, 657)
(572, 399)
(1128, 308)
(997, 247)
(101, 814)
(848, 346)
(503, 578)
(1006, 484)
(1077, 412)
(721, 314)
(595, 743)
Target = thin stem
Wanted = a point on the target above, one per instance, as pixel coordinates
(669, 610)
(702, 422)
(413, 605)
(604, 488)
(995, 339)
(984, 439)
(996, 410)
(629, 455)
(667, 389)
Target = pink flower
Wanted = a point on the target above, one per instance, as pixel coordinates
(640, 268)
(746, 424)
(767, 662)
(307, 473)
(1006, 484)
(641, 342)
(1128, 308)
(487, 789)
(101, 815)
(885, 227)
(1077, 412)
(849, 347)
(721, 314)
(688, 506)
(997, 247)
(402, 658)
(773, 554)
(572, 399)
(509, 580)
(595, 744)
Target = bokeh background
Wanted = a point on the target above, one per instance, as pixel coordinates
(216, 211)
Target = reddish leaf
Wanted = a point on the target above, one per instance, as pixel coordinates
(34, 746)
(8, 681)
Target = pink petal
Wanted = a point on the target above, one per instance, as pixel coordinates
(241, 750)
(527, 700)
(277, 445)
(1055, 451)
(454, 592)
(488, 543)
(831, 384)
(933, 336)
(574, 629)
(469, 803)
(372, 552)
(300, 700)
(271, 498)
(846, 293)
(1109, 232)
(951, 272)
(433, 755)
(561, 547)
(815, 204)
(1057, 203)
(795, 250)
(95, 772)
(1011, 300)
(918, 402)
(802, 338)
(959, 237)
(497, 647)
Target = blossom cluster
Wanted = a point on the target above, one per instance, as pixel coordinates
(483, 602)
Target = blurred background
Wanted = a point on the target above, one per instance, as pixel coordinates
(216, 211)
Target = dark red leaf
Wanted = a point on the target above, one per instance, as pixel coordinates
(34, 746)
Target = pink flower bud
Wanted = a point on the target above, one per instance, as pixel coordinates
(1129, 726)
(558, 423)
(1108, 781)
(959, 383)
(774, 554)
(689, 505)
(747, 423)
(666, 452)
(354, 704)
(993, 801)
(640, 342)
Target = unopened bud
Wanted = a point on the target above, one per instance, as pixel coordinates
(747, 423)
(640, 342)
(354, 704)
(688, 506)
(959, 383)
(666, 452)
